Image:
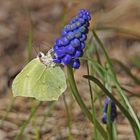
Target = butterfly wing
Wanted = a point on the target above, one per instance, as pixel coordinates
(40, 82)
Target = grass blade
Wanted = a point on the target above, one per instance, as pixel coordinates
(121, 107)
(117, 84)
(29, 48)
(92, 105)
(128, 72)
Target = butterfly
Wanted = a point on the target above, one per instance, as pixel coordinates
(41, 79)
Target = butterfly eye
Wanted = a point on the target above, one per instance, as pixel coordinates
(40, 55)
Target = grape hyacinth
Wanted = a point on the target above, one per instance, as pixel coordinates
(113, 112)
(69, 47)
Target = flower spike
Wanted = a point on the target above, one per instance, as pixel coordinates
(113, 112)
(69, 47)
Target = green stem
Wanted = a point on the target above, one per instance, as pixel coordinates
(92, 104)
(80, 101)
(109, 123)
(90, 89)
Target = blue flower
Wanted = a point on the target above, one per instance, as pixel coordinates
(113, 112)
(69, 47)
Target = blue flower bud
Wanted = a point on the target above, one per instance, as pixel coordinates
(113, 105)
(70, 36)
(81, 20)
(80, 15)
(77, 33)
(67, 59)
(78, 24)
(75, 42)
(55, 47)
(86, 17)
(67, 28)
(78, 54)
(59, 42)
(65, 41)
(86, 24)
(73, 26)
(60, 52)
(83, 38)
(64, 32)
(83, 30)
(113, 111)
(89, 17)
(82, 46)
(56, 60)
(70, 49)
(75, 64)
(104, 118)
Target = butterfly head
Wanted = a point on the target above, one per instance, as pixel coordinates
(40, 55)
(45, 59)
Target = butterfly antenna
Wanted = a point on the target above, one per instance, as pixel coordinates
(35, 50)
(39, 48)
(45, 44)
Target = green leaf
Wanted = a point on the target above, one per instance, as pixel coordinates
(39, 81)
(134, 125)
(115, 81)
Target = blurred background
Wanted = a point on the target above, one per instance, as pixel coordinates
(117, 23)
